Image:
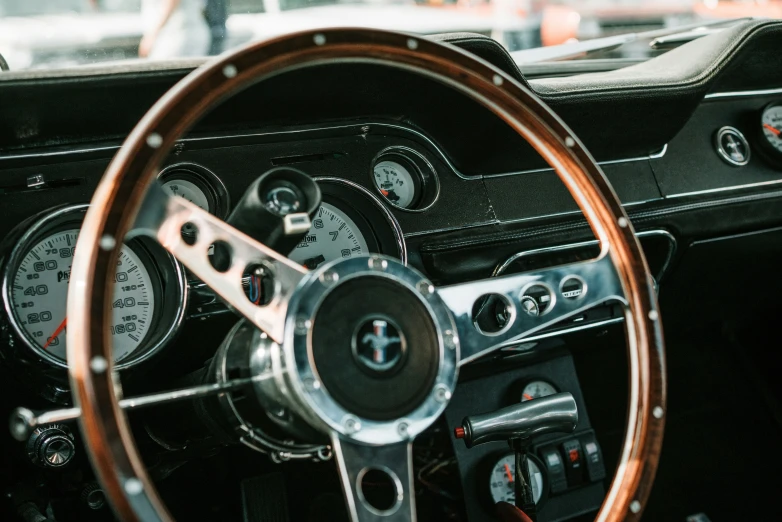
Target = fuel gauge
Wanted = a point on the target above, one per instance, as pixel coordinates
(405, 179)
(395, 183)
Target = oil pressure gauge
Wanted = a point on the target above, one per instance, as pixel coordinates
(197, 185)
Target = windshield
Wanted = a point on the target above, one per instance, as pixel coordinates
(66, 33)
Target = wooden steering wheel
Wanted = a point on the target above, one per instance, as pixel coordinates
(129, 200)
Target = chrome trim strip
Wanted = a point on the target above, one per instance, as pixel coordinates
(725, 189)
(564, 331)
(742, 94)
(358, 126)
(583, 244)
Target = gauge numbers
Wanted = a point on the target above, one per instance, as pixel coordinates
(333, 235)
(536, 390)
(395, 183)
(503, 476)
(189, 191)
(772, 126)
(39, 296)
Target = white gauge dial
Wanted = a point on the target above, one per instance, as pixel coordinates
(772, 126)
(537, 389)
(503, 476)
(395, 183)
(333, 235)
(189, 191)
(39, 295)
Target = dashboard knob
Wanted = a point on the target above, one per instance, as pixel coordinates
(51, 446)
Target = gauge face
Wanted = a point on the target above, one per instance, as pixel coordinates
(772, 126)
(333, 235)
(39, 296)
(189, 191)
(503, 479)
(395, 183)
(537, 389)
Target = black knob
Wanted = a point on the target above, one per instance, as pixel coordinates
(92, 495)
(51, 446)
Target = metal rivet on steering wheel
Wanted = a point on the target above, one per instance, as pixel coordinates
(362, 432)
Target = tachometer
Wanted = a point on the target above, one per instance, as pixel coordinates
(40, 289)
(333, 235)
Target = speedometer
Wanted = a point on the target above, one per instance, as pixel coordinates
(147, 307)
(40, 289)
(333, 235)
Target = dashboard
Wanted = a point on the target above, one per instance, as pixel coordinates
(433, 184)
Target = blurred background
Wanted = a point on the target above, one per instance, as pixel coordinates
(65, 33)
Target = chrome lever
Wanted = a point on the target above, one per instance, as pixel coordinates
(24, 421)
(555, 413)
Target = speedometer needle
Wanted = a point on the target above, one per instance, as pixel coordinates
(772, 129)
(508, 473)
(56, 333)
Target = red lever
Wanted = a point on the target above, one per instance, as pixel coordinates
(458, 432)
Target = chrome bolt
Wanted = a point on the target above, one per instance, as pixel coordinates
(425, 287)
(107, 242)
(302, 326)
(635, 506)
(329, 277)
(375, 263)
(311, 384)
(658, 412)
(352, 425)
(402, 428)
(449, 339)
(133, 486)
(99, 364)
(229, 71)
(442, 393)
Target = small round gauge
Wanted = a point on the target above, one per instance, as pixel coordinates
(395, 182)
(40, 289)
(771, 121)
(333, 235)
(503, 476)
(405, 179)
(188, 190)
(198, 186)
(536, 390)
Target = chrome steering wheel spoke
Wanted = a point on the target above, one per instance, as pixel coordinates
(163, 217)
(355, 460)
(531, 301)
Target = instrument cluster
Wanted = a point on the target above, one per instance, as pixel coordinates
(154, 295)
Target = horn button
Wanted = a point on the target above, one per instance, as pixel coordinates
(375, 347)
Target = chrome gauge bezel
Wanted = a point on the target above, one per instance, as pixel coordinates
(725, 155)
(170, 273)
(207, 180)
(426, 181)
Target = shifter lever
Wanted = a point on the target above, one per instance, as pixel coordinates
(517, 424)
(552, 414)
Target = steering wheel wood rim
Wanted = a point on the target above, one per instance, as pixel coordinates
(121, 192)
